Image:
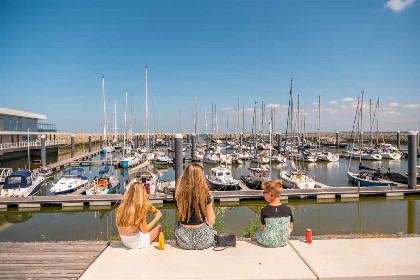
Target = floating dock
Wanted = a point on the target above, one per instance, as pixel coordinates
(321, 194)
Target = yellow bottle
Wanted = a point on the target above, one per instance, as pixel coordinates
(161, 240)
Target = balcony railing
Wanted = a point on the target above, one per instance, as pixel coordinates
(25, 144)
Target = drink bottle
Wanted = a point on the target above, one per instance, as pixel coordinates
(161, 240)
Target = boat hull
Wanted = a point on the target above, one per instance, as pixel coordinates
(367, 183)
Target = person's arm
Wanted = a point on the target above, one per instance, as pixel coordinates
(211, 217)
(262, 219)
(291, 220)
(150, 225)
(291, 227)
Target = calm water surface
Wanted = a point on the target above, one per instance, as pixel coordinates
(368, 215)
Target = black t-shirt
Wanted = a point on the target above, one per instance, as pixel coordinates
(193, 219)
(276, 211)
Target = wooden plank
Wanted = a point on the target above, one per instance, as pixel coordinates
(46, 260)
(44, 266)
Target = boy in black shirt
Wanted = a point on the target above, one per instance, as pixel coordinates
(276, 218)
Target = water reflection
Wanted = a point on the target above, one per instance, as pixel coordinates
(368, 215)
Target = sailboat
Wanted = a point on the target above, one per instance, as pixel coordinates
(127, 160)
(324, 155)
(294, 178)
(108, 148)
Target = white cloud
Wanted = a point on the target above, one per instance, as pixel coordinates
(398, 5)
(335, 102)
(347, 99)
(393, 104)
(314, 103)
(412, 106)
(388, 113)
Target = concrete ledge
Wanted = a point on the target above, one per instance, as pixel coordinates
(325, 196)
(100, 203)
(72, 204)
(29, 205)
(247, 260)
(3, 206)
(394, 194)
(229, 199)
(350, 195)
(370, 258)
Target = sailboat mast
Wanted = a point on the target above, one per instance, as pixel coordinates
(377, 124)
(319, 122)
(361, 121)
(291, 111)
(243, 119)
(115, 121)
(104, 104)
(146, 111)
(205, 117)
(131, 117)
(125, 123)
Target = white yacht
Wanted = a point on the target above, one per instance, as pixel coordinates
(72, 179)
(256, 176)
(161, 159)
(22, 183)
(211, 158)
(221, 177)
(328, 156)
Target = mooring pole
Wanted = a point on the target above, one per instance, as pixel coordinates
(90, 143)
(412, 159)
(279, 142)
(398, 139)
(337, 139)
(72, 146)
(100, 143)
(193, 140)
(178, 157)
(241, 141)
(43, 152)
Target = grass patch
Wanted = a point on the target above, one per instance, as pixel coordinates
(252, 227)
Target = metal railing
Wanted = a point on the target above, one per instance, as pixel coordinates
(25, 144)
(4, 172)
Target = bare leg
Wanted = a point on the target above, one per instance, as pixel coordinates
(253, 238)
(154, 233)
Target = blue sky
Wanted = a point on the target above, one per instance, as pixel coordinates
(53, 54)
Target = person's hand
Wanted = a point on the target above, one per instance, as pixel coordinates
(158, 214)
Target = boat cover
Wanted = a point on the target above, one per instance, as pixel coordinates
(18, 179)
(105, 170)
(364, 167)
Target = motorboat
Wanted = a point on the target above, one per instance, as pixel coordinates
(108, 149)
(149, 179)
(72, 179)
(129, 161)
(306, 156)
(161, 159)
(22, 183)
(256, 176)
(221, 177)
(211, 158)
(260, 158)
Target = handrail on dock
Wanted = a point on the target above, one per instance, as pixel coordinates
(24, 144)
(4, 172)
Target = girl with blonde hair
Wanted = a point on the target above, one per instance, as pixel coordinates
(131, 215)
(194, 203)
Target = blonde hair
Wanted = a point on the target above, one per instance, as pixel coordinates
(274, 186)
(192, 193)
(134, 207)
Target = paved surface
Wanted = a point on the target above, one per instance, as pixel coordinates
(370, 258)
(373, 258)
(246, 261)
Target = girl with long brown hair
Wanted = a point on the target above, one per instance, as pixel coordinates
(131, 215)
(194, 202)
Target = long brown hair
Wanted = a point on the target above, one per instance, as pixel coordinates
(192, 193)
(134, 207)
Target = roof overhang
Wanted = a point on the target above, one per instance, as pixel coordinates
(21, 114)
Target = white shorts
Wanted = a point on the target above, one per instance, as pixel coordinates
(139, 241)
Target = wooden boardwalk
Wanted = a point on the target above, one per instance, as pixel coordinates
(107, 200)
(67, 162)
(52, 260)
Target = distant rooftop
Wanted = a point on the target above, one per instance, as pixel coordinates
(21, 114)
